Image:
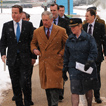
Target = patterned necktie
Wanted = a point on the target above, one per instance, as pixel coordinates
(18, 32)
(54, 21)
(48, 33)
(90, 29)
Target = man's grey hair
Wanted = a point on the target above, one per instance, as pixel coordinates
(47, 13)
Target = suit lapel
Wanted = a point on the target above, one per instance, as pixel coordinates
(95, 29)
(85, 28)
(52, 36)
(59, 21)
(11, 28)
(43, 35)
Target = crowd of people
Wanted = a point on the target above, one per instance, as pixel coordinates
(58, 42)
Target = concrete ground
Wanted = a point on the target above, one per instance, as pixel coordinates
(39, 97)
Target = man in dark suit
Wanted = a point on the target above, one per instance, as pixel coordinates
(97, 18)
(98, 31)
(57, 20)
(16, 36)
(62, 11)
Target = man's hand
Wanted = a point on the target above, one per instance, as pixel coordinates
(36, 52)
(3, 58)
(33, 61)
(65, 76)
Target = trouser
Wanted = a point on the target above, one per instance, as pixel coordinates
(97, 91)
(61, 95)
(52, 96)
(20, 71)
(30, 75)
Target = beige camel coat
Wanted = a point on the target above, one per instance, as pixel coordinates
(50, 64)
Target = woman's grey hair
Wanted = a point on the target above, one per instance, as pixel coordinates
(47, 13)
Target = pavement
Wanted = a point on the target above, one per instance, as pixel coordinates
(39, 97)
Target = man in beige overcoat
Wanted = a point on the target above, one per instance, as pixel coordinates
(51, 50)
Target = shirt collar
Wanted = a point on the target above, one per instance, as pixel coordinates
(50, 28)
(63, 16)
(56, 18)
(92, 23)
(20, 22)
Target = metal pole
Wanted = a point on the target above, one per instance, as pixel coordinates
(1, 6)
(68, 7)
(86, 2)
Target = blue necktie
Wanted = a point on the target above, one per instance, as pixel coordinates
(18, 32)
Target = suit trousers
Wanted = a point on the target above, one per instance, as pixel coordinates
(97, 91)
(20, 71)
(52, 96)
(61, 95)
(30, 77)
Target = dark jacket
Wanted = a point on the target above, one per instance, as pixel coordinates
(81, 50)
(99, 35)
(0, 45)
(99, 20)
(62, 23)
(66, 17)
(9, 41)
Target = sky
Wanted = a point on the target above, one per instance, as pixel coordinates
(35, 13)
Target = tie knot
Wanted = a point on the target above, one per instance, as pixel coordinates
(17, 23)
(54, 21)
(90, 25)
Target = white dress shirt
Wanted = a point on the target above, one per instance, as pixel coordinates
(92, 28)
(15, 25)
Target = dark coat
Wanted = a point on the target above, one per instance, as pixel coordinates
(66, 17)
(81, 50)
(99, 20)
(62, 23)
(99, 35)
(9, 41)
(0, 45)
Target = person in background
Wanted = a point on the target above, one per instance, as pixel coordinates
(16, 36)
(57, 20)
(97, 30)
(97, 18)
(45, 5)
(81, 82)
(51, 41)
(62, 11)
(25, 16)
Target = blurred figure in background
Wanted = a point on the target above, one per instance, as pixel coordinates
(62, 11)
(97, 18)
(97, 30)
